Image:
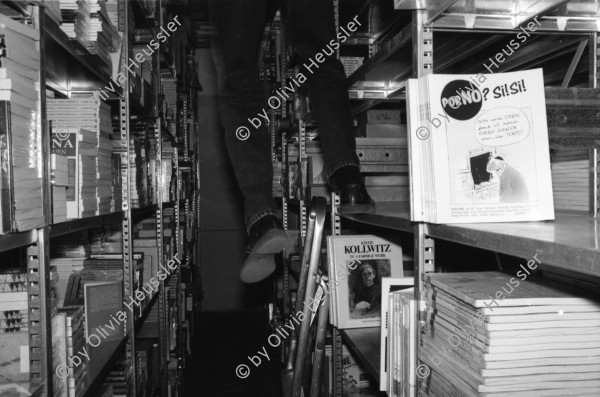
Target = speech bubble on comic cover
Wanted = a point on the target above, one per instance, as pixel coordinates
(501, 127)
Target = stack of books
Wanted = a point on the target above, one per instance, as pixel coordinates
(53, 10)
(149, 359)
(19, 126)
(105, 169)
(60, 182)
(106, 240)
(119, 377)
(102, 269)
(65, 267)
(167, 193)
(496, 335)
(169, 87)
(87, 170)
(68, 340)
(13, 301)
(76, 19)
(112, 11)
(117, 160)
(145, 243)
(571, 179)
(137, 178)
(14, 325)
(93, 168)
(103, 36)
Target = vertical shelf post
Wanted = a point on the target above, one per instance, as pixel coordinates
(422, 65)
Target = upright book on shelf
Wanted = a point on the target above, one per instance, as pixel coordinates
(479, 148)
(356, 266)
(388, 287)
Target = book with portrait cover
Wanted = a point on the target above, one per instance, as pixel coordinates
(479, 148)
(357, 264)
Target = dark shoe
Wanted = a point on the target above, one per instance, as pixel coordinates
(354, 199)
(348, 184)
(267, 238)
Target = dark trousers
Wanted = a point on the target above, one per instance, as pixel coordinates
(310, 26)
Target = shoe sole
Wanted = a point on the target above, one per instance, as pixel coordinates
(257, 267)
(272, 242)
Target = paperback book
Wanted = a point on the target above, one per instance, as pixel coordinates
(479, 148)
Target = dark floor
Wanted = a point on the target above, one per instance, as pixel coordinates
(224, 341)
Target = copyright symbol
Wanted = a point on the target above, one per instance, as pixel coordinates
(423, 371)
(242, 133)
(422, 133)
(242, 371)
(62, 371)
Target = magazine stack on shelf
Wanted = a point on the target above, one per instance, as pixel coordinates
(19, 126)
(119, 378)
(166, 172)
(91, 116)
(136, 165)
(145, 243)
(169, 85)
(68, 339)
(116, 203)
(104, 38)
(490, 334)
(76, 18)
(60, 181)
(14, 324)
(571, 180)
(356, 266)
(479, 148)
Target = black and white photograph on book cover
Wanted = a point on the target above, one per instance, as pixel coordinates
(359, 263)
(364, 284)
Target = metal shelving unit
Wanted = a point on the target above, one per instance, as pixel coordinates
(464, 30)
(68, 68)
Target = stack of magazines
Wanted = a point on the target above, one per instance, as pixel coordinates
(20, 126)
(478, 148)
(490, 334)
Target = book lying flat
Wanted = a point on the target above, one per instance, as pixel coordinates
(481, 290)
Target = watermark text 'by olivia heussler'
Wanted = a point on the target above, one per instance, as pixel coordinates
(141, 57)
(469, 92)
(462, 339)
(309, 67)
(96, 336)
(242, 371)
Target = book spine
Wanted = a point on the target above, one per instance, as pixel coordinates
(6, 185)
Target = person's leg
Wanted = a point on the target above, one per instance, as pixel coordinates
(239, 25)
(311, 28)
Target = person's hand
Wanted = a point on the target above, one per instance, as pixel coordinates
(363, 306)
